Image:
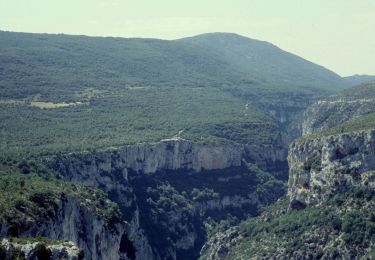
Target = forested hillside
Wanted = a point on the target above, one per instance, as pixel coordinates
(55, 66)
(66, 93)
(144, 148)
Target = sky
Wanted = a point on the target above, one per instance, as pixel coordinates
(337, 34)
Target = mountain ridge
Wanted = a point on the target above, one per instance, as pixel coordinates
(358, 79)
(122, 61)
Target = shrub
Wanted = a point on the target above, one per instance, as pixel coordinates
(313, 163)
(42, 197)
(81, 255)
(3, 252)
(336, 223)
(24, 167)
(42, 252)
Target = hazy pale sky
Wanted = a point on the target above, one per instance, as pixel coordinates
(338, 34)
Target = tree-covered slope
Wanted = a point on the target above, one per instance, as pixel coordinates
(343, 227)
(356, 80)
(266, 64)
(349, 110)
(363, 122)
(360, 91)
(63, 93)
(133, 116)
(55, 65)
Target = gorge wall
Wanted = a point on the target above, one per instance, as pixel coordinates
(287, 108)
(329, 113)
(167, 190)
(172, 192)
(321, 166)
(328, 213)
(174, 154)
(71, 220)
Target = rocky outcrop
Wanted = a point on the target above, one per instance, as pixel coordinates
(334, 176)
(321, 166)
(326, 114)
(335, 110)
(132, 176)
(287, 109)
(29, 250)
(219, 245)
(175, 154)
(74, 221)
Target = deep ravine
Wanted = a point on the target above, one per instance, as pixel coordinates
(170, 191)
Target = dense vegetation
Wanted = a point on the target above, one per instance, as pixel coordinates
(60, 94)
(265, 64)
(362, 91)
(366, 122)
(343, 225)
(356, 80)
(132, 116)
(173, 205)
(126, 91)
(362, 123)
(31, 194)
(56, 66)
(350, 110)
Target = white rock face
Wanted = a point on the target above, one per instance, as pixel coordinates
(218, 246)
(113, 170)
(174, 155)
(58, 250)
(321, 166)
(79, 224)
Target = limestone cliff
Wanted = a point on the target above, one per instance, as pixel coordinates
(329, 211)
(321, 166)
(288, 110)
(80, 224)
(175, 154)
(166, 190)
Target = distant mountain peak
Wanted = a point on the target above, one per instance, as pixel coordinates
(358, 79)
(219, 34)
(222, 36)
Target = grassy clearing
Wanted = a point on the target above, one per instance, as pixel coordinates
(51, 105)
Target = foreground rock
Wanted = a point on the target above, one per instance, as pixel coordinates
(98, 238)
(56, 250)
